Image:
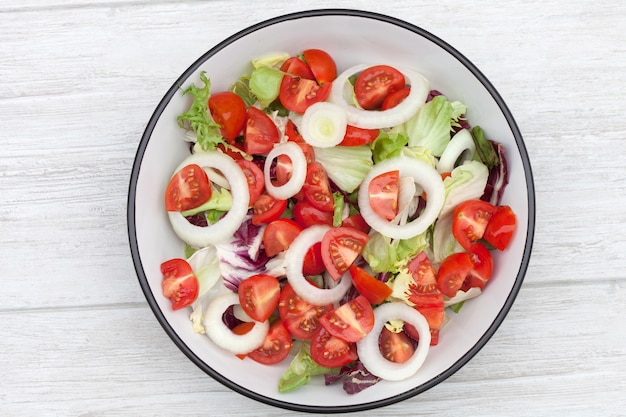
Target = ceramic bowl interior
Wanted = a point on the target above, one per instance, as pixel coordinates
(351, 37)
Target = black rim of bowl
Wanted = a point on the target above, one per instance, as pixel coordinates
(356, 407)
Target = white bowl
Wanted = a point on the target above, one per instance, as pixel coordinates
(351, 37)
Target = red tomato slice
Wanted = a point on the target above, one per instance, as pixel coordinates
(322, 65)
(453, 271)
(279, 234)
(368, 286)
(501, 227)
(261, 133)
(356, 136)
(383, 192)
(241, 329)
(258, 296)
(317, 188)
(254, 176)
(297, 94)
(266, 209)
(313, 263)
(300, 317)
(482, 267)
(375, 83)
(306, 215)
(350, 321)
(291, 131)
(179, 284)
(396, 347)
(395, 98)
(299, 68)
(470, 221)
(189, 188)
(330, 351)
(229, 111)
(284, 167)
(340, 248)
(434, 315)
(356, 221)
(276, 346)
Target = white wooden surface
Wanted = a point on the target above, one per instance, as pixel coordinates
(78, 81)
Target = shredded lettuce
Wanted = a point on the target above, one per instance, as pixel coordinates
(346, 175)
(466, 182)
(264, 83)
(301, 369)
(338, 205)
(273, 59)
(384, 255)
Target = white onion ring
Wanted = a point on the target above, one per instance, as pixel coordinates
(223, 337)
(376, 119)
(323, 115)
(224, 228)
(369, 351)
(298, 173)
(294, 259)
(425, 175)
(460, 144)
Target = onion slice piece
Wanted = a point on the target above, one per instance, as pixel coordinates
(376, 119)
(423, 174)
(298, 173)
(224, 228)
(294, 259)
(222, 336)
(369, 351)
(324, 124)
(461, 144)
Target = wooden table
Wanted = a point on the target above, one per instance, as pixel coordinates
(79, 80)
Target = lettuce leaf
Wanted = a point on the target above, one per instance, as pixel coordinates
(264, 83)
(221, 200)
(301, 369)
(466, 182)
(346, 166)
(384, 255)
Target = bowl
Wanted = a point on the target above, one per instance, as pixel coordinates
(351, 37)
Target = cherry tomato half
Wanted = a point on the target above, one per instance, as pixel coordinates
(368, 286)
(356, 136)
(189, 188)
(179, 283)
(340, 248)
(375, 83)
(261, 133)
(297, 94)
(279, 234)
(470, 220)
(501, 227)
(306, 215)
(395, 98)
(229, 111)
(396, 347)
(254, 177)
(482, 267)
(299, 68)
(317, 188)
(276, 346)
(383, 192)
(258, 296)
(322, 65)
(452, 273)
(350, 321)
(266, 209)
(330, 351)
(300, 317)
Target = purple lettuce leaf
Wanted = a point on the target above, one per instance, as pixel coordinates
(498, 177)
(354, 376)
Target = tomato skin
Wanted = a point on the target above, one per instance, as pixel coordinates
(368, 286)
(229, 111)
(306, 215)
(291, 131)
(267, 209)
(375, 83)
(299, 68)
(470, 221)
(453, 271)
(356, 221)
(317, 188)
(279, 234)
(396, 347)
(258, 296)
(300, 317)
(261, 133)
(501, 227)
(179, 283)
(340, 248)
(383, 192)
(351, 321)
(395, 98)
(330, 351)
(482, 267)
(254, 177)
(356, 136)
(313, 263)
(297, 94)
(276, 346)
(434, 314)
(322, 65)
(284, 167)
(189, 188)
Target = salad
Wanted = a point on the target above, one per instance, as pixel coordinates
(333, 220)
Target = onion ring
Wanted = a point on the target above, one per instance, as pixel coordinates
(461, 144)
(298, 174)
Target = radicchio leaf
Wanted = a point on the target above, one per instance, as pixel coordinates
(498, 177)
(355, 378)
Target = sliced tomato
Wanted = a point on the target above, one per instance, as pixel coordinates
(299, 68)
(258, 296)
(470, 221)
(189, 188)
(375, 83)
(322, 65)
(261, 133)
(254, 176)
(482, 267)
(330, 351)
(313, 263)
(279, 234)
(350, 321)
(306, 215)
(284, 168)
(300, 317)
(229, 111)
(266, 208)
(395, 98)
(241, 329)
(453, 271)
(340, 248)
(356, 136)
(434, 315)
(368, 286)
(291, 131)
(297, 94)
(383, 192)
(317, 187)
(276, 346)
(179, 284)
(501, 227)
(396, 347)
(356, 221)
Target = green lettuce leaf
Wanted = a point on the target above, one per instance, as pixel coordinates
(301, 369)
(346, 166)
(264, 83)
(221, 200)
(384, 255)
(388, 145)
(466, 182)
